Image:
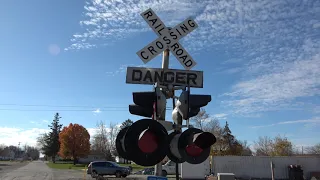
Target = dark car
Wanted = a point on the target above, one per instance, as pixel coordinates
(101, 168)
(148, 171)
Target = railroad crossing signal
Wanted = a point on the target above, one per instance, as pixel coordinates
(146, 142)
(168, 38)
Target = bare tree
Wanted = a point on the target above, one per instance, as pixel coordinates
(200, 119)
(99, 142)
(104, 140)
(314, 149)
(41, 142)
(263, 146)
(112, 135)
(279, 146)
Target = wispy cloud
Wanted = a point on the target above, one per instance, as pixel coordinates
(220, 116)
(112, 21)
(241, 25)
(307, 122)
(277, 89)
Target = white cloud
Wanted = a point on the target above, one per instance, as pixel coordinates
(97, 111)
(220, 116)
(308, 122)
(276, 90)
(12, 135)
(113, 21)
(92, 131)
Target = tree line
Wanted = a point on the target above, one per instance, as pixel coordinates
(74, 141)
(228, 144)
(12, 152)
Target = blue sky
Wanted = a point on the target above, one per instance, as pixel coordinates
(260, 59)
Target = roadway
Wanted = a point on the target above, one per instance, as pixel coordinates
(38, 170)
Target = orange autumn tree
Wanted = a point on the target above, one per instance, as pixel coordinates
(74, 142)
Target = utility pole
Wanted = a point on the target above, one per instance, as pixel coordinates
(165, 66)
(18, 149)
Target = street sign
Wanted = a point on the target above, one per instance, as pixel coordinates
(168, 38)
(140, 75)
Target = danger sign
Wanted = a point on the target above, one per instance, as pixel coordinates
(138, 75)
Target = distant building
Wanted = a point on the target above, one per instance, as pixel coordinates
(121, 160)
(91, 157)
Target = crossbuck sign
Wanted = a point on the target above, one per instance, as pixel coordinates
(168, 38)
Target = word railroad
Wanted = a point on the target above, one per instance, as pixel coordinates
(168, 39)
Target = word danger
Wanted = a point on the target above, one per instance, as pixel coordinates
(175, 77)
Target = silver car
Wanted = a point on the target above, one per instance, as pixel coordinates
(101, 168)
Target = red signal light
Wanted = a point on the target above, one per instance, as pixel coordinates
(148, 142)
(193, 150)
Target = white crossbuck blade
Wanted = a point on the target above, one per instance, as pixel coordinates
(168, 38)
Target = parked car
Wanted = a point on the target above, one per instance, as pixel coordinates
(148, 171)
(101, 168)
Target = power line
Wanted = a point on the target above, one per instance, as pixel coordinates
(63, 106)
(65, 110)
(106, 108)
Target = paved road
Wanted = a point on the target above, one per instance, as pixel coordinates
(38, 170)
(8, 166)
(35, 170)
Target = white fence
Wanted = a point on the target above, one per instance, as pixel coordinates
(259, 166)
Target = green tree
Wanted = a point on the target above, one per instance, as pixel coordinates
(126, 123)
(234, 147)
(49, 142)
